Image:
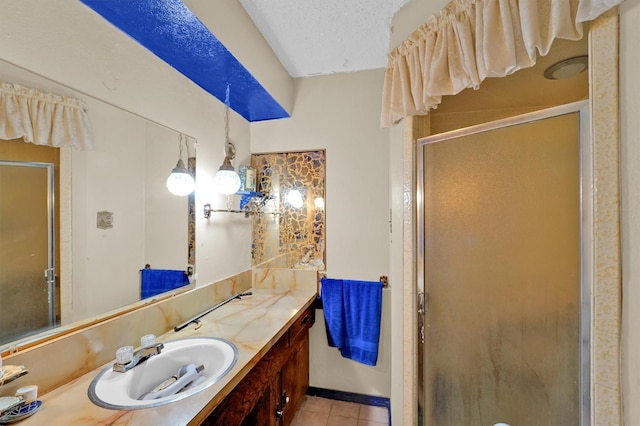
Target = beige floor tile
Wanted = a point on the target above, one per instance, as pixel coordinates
(345, 409)
(314, 403)
(342, 421)
(310, 418)
(370, 423)
(375, 414)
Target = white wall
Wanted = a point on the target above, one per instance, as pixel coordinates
(341, 113)
(108, 178)
(630, 172)
(166, 226)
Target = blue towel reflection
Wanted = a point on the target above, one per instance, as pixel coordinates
(352, 311)
(156, 281)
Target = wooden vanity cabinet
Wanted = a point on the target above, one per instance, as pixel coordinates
(273, 390)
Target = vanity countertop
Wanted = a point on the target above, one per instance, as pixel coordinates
(253, 324)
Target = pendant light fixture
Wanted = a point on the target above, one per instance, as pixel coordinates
(180, 181)
(226, 181)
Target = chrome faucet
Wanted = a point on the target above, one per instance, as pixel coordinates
(308, 255)
(126, 358)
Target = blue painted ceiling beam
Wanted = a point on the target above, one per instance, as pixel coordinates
(173, 33)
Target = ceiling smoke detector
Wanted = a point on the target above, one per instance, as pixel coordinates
(567, 68)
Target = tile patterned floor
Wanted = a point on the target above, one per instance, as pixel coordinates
(316, 411)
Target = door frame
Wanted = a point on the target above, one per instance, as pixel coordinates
(586, 243)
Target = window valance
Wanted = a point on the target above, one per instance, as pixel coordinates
(474, 39)
(43, 118)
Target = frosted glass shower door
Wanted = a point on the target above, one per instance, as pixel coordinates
(26, 249)
(502, 276)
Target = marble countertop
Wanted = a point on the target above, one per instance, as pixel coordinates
(253, 324)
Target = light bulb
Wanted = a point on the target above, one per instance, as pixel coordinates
(319, 203)
(294, 198)
(180, 182)
(226, 182)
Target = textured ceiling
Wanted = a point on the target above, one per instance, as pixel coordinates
(312, 37)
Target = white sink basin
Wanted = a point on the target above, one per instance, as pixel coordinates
(120, 391)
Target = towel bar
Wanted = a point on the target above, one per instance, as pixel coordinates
(383, 279)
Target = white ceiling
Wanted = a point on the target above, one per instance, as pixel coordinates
(312, 37)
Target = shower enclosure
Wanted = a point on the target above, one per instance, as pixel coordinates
(503, 286)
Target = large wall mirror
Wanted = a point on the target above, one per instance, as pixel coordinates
(109, 216)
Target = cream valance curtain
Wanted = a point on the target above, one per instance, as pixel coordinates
(43, 118)
(474, 39)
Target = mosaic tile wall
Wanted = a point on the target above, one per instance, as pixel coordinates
(285, 227)
(191, 230)
(606, 292)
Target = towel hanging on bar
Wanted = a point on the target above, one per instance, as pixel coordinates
(156, 281)
(353, 311)
(383, 279)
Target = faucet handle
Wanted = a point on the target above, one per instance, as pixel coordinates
(148, 340)
(124, 355)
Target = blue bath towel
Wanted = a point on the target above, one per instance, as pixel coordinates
(333, 308)
(156, 281)
(352, 311)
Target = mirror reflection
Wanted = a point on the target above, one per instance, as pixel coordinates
(78, 227)
(293, 237)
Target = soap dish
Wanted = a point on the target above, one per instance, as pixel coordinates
(20, 413)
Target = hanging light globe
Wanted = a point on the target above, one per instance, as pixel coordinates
(226, 181)
(180, 182)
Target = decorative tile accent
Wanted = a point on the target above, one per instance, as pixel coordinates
(606, 353)
(104, 220)
(285, 279)
(284, 229)
(414, 127)
(606, 410)
(603, 68)
(191, 222)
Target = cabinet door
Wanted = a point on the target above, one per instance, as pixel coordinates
(295, 378)
(267, 410)
(275, 402)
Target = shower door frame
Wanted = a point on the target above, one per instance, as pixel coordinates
(49, 273)
(586, 241)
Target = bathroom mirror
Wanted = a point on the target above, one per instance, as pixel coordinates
(290, 231)
(113, 214)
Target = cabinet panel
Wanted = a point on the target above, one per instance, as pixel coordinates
(265, 411)
(242, 400)
(295, 377)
